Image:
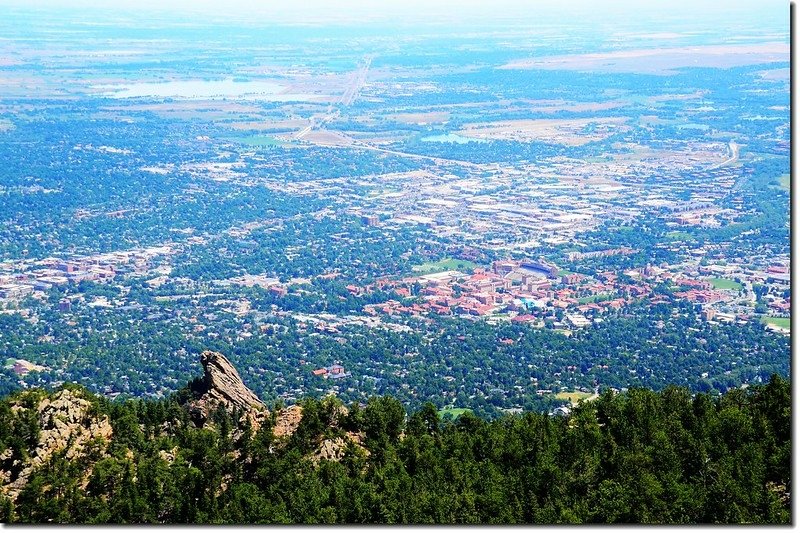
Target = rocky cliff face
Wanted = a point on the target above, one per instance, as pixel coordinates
(223, 387)
(287, 421)
(66, 423)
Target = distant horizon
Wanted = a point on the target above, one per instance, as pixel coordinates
(395, 262)
(439, 12)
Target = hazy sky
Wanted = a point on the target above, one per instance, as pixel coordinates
(300, 11)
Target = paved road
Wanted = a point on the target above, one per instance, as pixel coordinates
(733, 148)
(359, 78)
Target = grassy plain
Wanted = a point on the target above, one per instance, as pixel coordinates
(725, 284)
(574, 397)
(455, 412)
(445, 264)
(594, 299)
(785, 323)
(678, 235)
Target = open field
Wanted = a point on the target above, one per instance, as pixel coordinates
(775, 74)
(553, 106)
(594, 299)
(725, 284)
(569, 132)
(678, 236)
(455, 412)
(260, 125)
(662, 61)
(206, 110)
(328, 138)
(445, 264)
(785, 323)
(431, 117)
(706, 153)
(573, 397)
(785, 182)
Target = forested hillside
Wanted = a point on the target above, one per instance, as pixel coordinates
(639, 456)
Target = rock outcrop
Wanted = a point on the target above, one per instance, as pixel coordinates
(67, 424)
(287, 421)
(334, 449)
(223, 387)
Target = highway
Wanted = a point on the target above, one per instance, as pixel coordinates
(733, 148)
(358, 79)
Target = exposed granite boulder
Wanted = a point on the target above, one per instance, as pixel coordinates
(223, 387)
(287, 421)
(335, 448)
(67, 425)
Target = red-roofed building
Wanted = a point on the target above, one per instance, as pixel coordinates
(353, 289)
(697, 284)
(277, 291)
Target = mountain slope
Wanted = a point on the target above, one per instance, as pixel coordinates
(636, 457)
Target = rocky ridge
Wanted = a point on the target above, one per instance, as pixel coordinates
(67, 425)
(287, 421)
(223, 387)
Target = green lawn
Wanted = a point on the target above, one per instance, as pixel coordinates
(784, 182)
(594, 299)
(785, 323)
(573, 397)
(725, 284)
(678, 236)
(445, 264)
(454, 411)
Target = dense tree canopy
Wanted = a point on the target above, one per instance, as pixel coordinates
(638, 457)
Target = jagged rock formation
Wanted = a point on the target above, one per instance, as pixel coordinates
(222, 386)
(68, 425)
(334, 449)
(287, 421)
